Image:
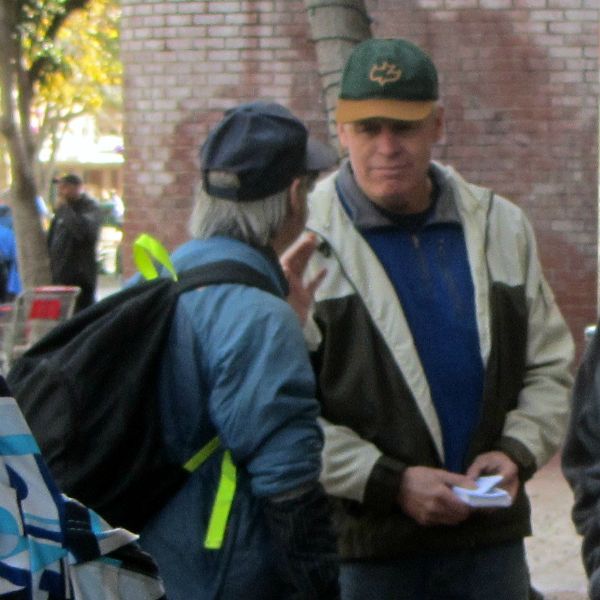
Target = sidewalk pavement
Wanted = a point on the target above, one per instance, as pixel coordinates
(553, 551)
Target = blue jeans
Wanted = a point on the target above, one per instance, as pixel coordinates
(492, 573)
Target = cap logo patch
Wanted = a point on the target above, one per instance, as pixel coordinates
(385, 73)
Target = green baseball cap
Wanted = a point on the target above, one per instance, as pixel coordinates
(387, 78)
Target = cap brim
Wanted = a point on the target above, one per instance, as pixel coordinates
(399, 110)
(319, 156)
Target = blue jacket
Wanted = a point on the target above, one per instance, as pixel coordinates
(8, 253)
(236, 366)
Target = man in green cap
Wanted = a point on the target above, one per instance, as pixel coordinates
(440, 352)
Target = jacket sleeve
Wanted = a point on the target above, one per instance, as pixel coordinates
(581, 460)
(308, 562)
(534, 430)
(355, 469)
(264, 408)
(262, 399)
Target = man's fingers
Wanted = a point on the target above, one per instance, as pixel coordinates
(492, 463)
(315, 282)
(465, 481)
(296, 257)
(445, 509)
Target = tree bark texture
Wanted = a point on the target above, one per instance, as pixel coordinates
(17, 83)
(336, 27)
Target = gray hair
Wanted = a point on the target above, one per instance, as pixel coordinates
(255, 222)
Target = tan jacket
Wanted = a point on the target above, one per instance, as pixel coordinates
(378, 415)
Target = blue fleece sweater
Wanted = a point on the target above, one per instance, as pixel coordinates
(429, 270)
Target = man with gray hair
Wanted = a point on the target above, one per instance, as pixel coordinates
(252, 521)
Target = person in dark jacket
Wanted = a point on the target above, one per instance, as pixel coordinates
(72, 239)
(10, 280)
(581, 461)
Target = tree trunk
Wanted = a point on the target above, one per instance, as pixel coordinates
(336, 28)
(16, 89)
(32, 249)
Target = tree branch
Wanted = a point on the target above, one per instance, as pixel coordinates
(39, 66)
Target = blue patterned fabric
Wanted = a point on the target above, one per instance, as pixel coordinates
(52, 547)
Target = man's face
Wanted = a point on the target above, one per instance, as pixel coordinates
(390, 159)
(69, 191)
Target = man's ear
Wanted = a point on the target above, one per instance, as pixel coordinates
(296, 195)
(440, 124)
(341, 131)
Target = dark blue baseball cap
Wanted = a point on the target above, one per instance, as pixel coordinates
(257, 150)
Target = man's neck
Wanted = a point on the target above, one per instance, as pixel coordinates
(367, 215)
(416, 202)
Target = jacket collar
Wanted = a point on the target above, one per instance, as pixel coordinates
(366, 215)
(197, 252)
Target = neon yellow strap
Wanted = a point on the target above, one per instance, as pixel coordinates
(202, 454)
(222, 505)
(145, 249)
(225, 492)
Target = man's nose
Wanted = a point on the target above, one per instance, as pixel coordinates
(388, 141)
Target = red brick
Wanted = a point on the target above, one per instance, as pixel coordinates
(519, 80)
(224, 7)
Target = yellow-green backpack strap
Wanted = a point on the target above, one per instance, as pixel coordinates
(217, 524)
(146, 250)
(193, 463)
(222, 505)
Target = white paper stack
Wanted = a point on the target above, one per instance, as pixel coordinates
(486, 493)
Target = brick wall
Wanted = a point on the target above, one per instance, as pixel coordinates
(519, 83)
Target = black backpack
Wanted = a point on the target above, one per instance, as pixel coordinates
(88, 392)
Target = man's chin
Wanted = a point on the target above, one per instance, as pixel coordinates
(393, 201)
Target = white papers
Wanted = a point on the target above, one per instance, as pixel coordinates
(486, 493)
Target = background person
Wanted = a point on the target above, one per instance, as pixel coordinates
(440, 352)
(236, 366)
(581, 461)
(72, 239)
(10, 280)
